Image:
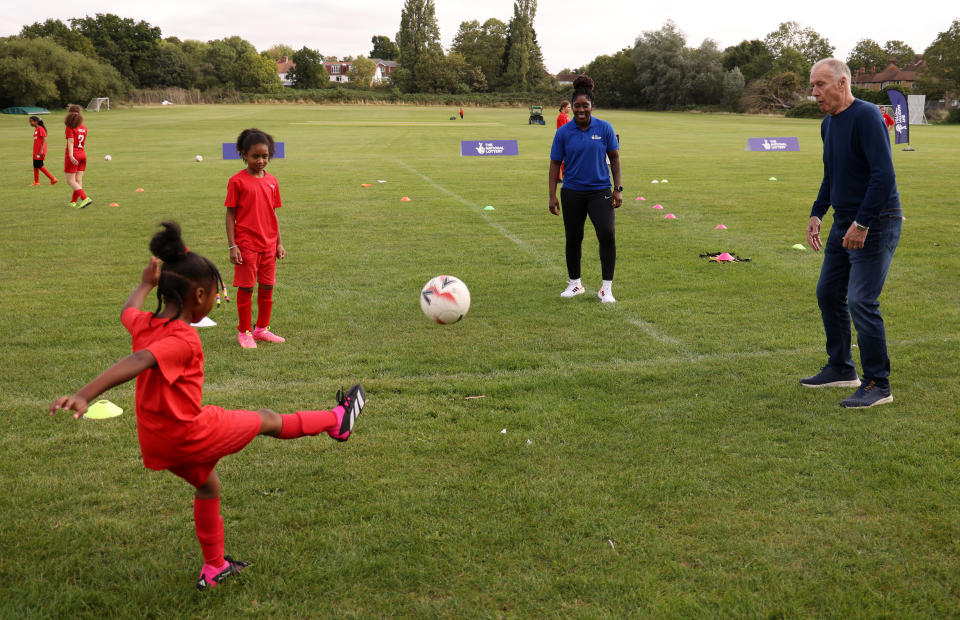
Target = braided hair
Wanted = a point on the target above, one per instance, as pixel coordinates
(182, 271)
(582, 85)
(252, 136)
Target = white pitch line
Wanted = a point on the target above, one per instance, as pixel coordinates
(637, 322)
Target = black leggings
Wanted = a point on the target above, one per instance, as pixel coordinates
(599, 206)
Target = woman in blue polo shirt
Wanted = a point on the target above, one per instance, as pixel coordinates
(583, 147)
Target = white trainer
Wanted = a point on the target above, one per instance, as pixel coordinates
(606, 296)
(573, 289)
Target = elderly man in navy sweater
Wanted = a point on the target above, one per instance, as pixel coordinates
(860, 184)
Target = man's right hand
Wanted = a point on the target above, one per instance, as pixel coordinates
(813, 233)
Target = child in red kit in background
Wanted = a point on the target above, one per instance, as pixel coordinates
(40, 150)
(253, 235)
(75, 158)
(176, 432)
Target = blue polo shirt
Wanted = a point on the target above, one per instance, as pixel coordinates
(584, 154)
(858, 177)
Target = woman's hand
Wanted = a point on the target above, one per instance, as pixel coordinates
(554, 205)
(235, 257)
(617, 199)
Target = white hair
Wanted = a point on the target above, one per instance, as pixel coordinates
(837, 67)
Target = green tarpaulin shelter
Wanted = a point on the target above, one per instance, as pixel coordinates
(26, 110)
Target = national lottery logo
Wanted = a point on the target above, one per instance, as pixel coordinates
(899, 117)
(774, 145)
(480, 148)
(489, 148)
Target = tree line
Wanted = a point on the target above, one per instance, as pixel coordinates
(53, 63)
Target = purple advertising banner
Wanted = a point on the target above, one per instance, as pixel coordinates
(230, 150)
(488, 147)
(773, 144)
(901, 116)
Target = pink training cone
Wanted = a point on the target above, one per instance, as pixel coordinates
(669, 216)
(719, 227)
(405, 199)
(139, 189)
(657, 206)
(640, 198)
(725, 257)
(113, 204)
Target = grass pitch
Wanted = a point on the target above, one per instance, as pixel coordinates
(660, 457)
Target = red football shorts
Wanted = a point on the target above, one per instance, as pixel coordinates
(239, 429)
(256, 267)
(81, 165)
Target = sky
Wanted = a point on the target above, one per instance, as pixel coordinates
(571, 33)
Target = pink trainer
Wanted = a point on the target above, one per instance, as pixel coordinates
(264, 333)
(246, 340)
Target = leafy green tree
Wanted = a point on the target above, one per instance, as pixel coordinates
(752, 58)
(943, 61)
(362, 71)
(61, 33)
(42, 72)
(384, 48)
(523, 61)
(482, 46)
(237, 65)
(790, 35)
(131, 47)
(867, 55)
(901, 52)
(171, 67)
(615, 80)
(421, 55)
(309, 71)
(278, 51)
(777, 92)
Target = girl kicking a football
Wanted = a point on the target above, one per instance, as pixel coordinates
(175, 431)
(40, 151)
(253, 235)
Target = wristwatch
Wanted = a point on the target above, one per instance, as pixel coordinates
(859, 225)
(618, 188)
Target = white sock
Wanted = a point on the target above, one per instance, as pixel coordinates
(607, 286)
(574, 282)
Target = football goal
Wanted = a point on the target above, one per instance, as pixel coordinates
(98, 103)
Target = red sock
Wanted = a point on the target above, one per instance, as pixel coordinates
(83, 194)
(264, 306)
(36, 175)
(75, 194)
(46, 172)
(304, 423)
(244, 309)
(209, 526)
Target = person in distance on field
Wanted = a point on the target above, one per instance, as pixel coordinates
(582, 148)
(562, 119)
(75, 158)
(253, 235)
(860, 184)
(175, 431)
(40, 151)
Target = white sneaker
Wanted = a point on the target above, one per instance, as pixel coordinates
(573, 289)
(605, 296)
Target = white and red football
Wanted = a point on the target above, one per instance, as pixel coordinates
(445, 299)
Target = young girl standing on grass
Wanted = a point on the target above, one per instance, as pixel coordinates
(75, 159)
(253, 235)
(40, 150)
(176, 432)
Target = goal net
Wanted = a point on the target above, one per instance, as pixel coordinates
(98, 103)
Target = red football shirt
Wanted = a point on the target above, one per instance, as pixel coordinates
(168, 395)
(79, 136)
(255, 200)
(39, 144)
(562, 119)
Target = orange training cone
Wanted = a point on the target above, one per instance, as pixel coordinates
(405, 199)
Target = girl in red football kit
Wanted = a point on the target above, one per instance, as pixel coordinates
(75, 159)
(40, 150)
(253, 235)
(176, 432)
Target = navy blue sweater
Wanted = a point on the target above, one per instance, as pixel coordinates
(858, 177)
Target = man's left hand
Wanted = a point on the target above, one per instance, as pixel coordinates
(854, 238)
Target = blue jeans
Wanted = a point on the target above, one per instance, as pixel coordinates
(849, 286)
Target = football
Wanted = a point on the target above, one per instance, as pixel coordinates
(445, 299)
(199, 157)
(107, 158)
